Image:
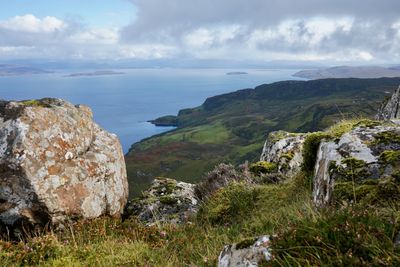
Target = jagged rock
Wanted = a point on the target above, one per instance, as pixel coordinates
(247, 253)
(285, 150)
(56, 163)
(167, 200)
(390, 110)
(358, 156)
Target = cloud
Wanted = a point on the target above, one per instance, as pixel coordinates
(256, 30)
(31, 24)
(263, 30)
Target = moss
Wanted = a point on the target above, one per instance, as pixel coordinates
(347, 192)
(310, 148)
(279, 135)
(352, 170)
(166, 186)
(246, 243)
(369, 192)
(289, 155)
(389, 157)
(386, 138)
(35, 103)
(168, 200)
(367, 123)
(263, 167)
(352, 162)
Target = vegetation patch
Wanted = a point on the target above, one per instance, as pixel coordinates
(351, 169)
(386, 138)
(263, 167)
(390, 157)
(229, 204)
(168, 200)
(310, 149)
(343, 238)
(35, 103)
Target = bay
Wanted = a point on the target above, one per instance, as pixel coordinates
(123, 104)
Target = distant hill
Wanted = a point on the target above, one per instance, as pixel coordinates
(12, 70)
(350, 72)
(232, 127)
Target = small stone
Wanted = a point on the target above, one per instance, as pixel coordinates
(69, 155)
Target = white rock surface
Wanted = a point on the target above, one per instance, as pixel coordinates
(358, 144)
(284, 149)
(166, 200)
(391, 109)
(249, 256)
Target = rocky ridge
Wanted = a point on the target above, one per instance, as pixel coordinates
(359, 166)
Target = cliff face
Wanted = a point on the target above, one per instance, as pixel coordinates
(57, 163)
(390, 109)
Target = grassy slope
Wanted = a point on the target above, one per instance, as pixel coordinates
(357, 234)
(232, 127)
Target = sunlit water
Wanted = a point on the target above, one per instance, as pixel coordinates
(123, 104)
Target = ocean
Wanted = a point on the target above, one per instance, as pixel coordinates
(123, 104)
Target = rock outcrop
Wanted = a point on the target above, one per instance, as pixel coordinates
(56, 163)
(248, 253)
(390, 110)
(285, 150)
(359, 157)
(167, 200)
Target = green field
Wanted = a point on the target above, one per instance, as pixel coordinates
(233, 127)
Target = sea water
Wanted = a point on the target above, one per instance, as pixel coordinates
(123, 104)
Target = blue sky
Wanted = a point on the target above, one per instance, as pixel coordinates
(93, 12)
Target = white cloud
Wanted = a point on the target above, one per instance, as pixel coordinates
(96, 35)
(206, 37)
(30, 23)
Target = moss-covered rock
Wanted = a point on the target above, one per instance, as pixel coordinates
(167, 200)
(263, 167)
(365, 153)
(310, 149)
(285, 150)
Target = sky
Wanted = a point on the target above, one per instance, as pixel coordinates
(334, 32)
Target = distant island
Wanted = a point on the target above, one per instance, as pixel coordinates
(95, 73)
(350, 72)
(15, 70)
(236, 73)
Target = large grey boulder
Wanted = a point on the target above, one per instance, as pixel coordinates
(56, 163)
(390, 110)
(248, 253)
(285, 150)
(365, 154)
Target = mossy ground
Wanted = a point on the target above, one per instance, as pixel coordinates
(351, 236)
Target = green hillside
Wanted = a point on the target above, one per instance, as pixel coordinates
(233, 127)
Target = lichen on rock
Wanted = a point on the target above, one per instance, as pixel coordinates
(284, 150)
(390, 110)
(361, 155)
(56, 163)
(165, 201)
(249, 252)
